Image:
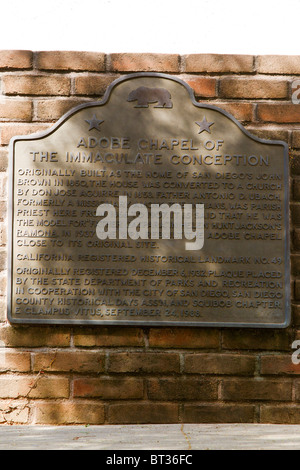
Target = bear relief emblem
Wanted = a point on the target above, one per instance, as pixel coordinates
(144, 96)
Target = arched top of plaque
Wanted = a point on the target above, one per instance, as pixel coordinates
(84, 248)
(154, 91)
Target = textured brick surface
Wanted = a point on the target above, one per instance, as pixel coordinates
(71, 60)
(144, 62)
(218, 63)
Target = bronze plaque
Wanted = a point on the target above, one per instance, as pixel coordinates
(148, 208)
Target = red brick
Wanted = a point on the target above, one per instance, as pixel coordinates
(295, 163)
(144, 62)
(282, 64)
(219, 63)
(288, 414)
(256, 389)
(53, 109)
(143, 413)
(14, 361)
(297, 289)
(268, 132)
(279, 365)
(218, 413)
(59, 413)
(10, 130)
(26, 336)
(15, 59)
(16, 110)
(295, 264)
(109, 337)
(296, 189)
(296, 139)
(71, 60)
(183, 338)
(256, 339)
(3, 185)
(33, 387)
(168, 389)
(36, 85)
(241, 111)
(278, 112)
(69, 361)
(144, 363)
(109, 388)
(220, 364)
(93, 84)
(202, 86)
(253, 88)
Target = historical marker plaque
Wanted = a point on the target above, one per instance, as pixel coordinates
(106, 215)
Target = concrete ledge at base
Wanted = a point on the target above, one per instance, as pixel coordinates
(152, 437)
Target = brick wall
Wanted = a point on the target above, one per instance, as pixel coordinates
(96, 375)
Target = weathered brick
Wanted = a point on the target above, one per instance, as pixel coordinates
(137, 62)
(69, 361)
(296, 314)
(3, 160)
(278, 112)
(143, 413)
(241, 111)
(33, 387)
(168, 389)
(15, 110)
(3, 284)
(3, 258)
(27, 336)
(36, 85)
(144, 363)
(93, 84)
(109, 337)
(53, 109)
(218, 413)
(256, 339)
(281, 64)
(50, 413)
(295, 213)
(296, 138)
(71, 60)
(283, 414)
(14, 361)
(256, 389)
(218, 63)
(220, 364)
(109, 388)
(10, 130)
(297, 390)
(253, 88)
(14, 412)
(203, 86)
(3, 235)
(15, 59)
(279, 365)
(183, 338)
